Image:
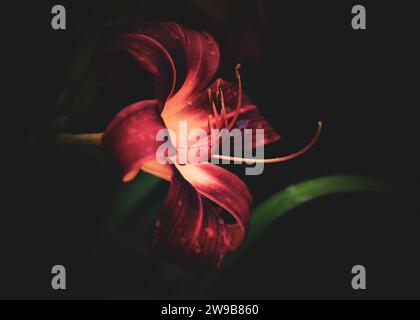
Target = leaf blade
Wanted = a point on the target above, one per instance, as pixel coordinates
(300, 193)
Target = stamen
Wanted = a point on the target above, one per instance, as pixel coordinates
(213, 106)
(209, 96)
(275, 160)
(218, 118)
(211, 127)
(239, 103)
(221, 100)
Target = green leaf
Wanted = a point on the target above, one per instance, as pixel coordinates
(130, 196)
(131, 216)
(291, 197)
(298, 194)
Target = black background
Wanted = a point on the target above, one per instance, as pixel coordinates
(313, 66)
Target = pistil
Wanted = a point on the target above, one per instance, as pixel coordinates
(274, 160)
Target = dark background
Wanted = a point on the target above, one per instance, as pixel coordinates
(302, 62)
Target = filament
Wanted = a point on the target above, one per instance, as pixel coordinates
(239, 102)
(275, 160)
(221, 100)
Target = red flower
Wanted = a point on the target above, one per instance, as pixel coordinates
(207, 211)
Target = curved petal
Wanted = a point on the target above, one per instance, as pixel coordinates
(131, 137)
(223, 188)
(191, 230)
(202, 56)
(181, 60)
(196, 116)
(195, 55)
(152, 56)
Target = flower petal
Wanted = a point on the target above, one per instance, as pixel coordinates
(182, 61)
(201, 54)
(191, 228)
(195, 113)
(223, 188)
(131, 137)
(152, 56)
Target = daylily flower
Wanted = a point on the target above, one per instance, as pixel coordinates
(207, 210)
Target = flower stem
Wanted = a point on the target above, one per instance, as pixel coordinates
(93, 139)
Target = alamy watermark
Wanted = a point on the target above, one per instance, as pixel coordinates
(359, 20)
(198, 146)
(58, 282)
(58, 22)
(359, 280)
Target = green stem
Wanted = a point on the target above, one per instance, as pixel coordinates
(92, 139)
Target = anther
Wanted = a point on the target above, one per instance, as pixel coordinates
(239, 101)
